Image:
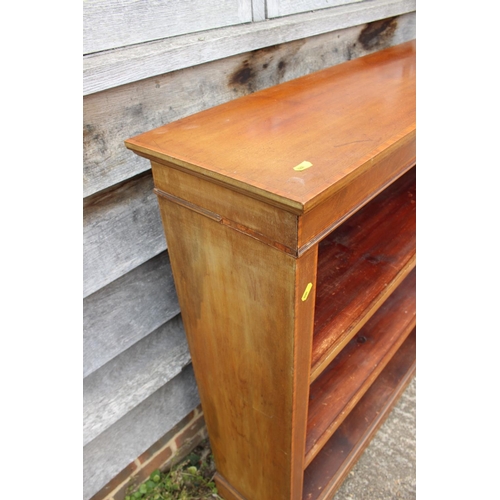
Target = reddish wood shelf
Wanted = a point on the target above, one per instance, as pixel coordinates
(335, 393)
(327, 471)
(359, 266)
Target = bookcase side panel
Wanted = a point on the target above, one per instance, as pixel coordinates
(237, 298)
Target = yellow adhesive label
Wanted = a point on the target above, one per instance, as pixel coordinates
(303, 166)
(306, 291)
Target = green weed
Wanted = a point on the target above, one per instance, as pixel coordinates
(191, 479)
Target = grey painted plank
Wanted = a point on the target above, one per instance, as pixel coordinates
(118, 67)
(258, 10)
(124, 441)
(127, 380)
(121, 230)
(108, 24)
(123, 312)
(277, 8)
(117, 114)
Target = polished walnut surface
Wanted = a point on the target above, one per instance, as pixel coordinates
(340, 120)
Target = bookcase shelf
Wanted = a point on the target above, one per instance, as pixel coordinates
(359, 265)
(337, 390)
(290, 221)
(327, 471)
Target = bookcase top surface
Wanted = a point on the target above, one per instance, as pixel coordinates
(296, 143)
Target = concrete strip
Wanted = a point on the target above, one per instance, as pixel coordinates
(387, 468)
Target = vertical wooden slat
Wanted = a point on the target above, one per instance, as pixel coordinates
(258, 10)
(305, 295)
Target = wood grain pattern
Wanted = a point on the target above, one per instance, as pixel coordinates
(380, 85)
(305, 279)
(128, 110)
(327, 471)
(120, 444)
(225, 489)
(115, 23)
(384, 169)
(256, 218)
(128, 379)
(241, 326)
(121, 66)
(127, 310)
(121, 230)
(258, 10)
(337, 390)
(360, 264)
(248, 303)
(278, 8)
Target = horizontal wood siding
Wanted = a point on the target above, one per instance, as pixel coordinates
(121, 230)
(104, 20)
(124, 441)
(135, 389)
(129, 64)
(120, 113)
(123, 312)
(277, 8)
(128, 379)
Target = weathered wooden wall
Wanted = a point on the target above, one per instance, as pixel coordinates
(137, 378)
(117, 23)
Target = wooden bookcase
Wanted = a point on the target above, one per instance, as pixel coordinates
(290, 222)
